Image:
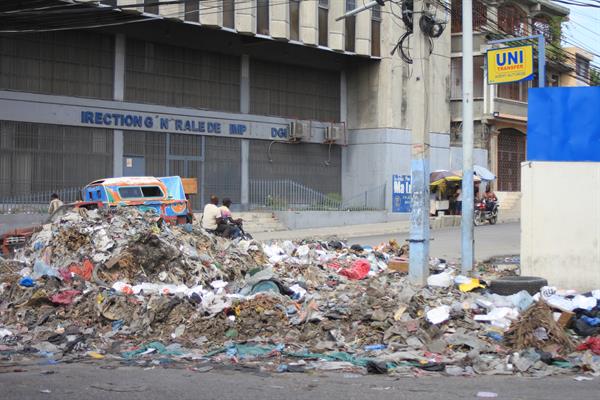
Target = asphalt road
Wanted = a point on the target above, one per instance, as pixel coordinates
(490, 241)
(81, 381)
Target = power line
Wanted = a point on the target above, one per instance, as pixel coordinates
(553, 49)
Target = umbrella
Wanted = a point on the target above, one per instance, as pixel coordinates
(442, 175)
(483, 173)
(460, 174)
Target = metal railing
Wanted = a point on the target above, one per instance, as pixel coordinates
(36, 202)
(286, 194)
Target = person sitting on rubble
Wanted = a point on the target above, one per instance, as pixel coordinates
(229, 227)
(55, 203)
(211, 217)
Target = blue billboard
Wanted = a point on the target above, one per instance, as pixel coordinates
(563, 124)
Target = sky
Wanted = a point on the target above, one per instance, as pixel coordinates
(583, 28)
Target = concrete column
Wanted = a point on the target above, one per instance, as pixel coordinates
(309, 22)
(119, 95)
(494, 155)
(279, 13)
(363, 33)
(245, 145)
(130, 2)
(172, 10)
(245, 186)
(245, 84)
(336, 28)
(343, 97)
(211, 15)
(245, 17)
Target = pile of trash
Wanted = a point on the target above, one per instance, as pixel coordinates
(121, 286)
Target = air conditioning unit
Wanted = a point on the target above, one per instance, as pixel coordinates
(334, 133)
(299, 130)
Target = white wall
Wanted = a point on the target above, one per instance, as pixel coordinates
(560, 223)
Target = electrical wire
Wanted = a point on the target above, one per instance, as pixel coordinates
(552, 48)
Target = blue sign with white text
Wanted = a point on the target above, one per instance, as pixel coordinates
(401, 193)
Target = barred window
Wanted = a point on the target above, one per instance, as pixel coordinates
(512, 20)
(293, 91)
(479, 15)
(181, 77)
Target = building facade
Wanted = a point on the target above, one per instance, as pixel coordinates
(500, 111)
(211, 89)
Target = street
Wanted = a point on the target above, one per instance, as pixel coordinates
(70, 381)
(490, 241)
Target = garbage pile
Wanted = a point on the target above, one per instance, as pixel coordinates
(123, 287)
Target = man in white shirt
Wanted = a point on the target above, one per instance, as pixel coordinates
(55, 203)
(211, 215)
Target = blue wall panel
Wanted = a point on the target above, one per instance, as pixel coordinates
(564, 124)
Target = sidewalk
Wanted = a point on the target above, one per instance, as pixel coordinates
(364, 230)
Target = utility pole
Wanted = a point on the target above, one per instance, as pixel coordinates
(419, 163)
(468, 190)
(424, 28)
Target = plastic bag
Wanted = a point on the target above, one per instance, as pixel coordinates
(359, 270)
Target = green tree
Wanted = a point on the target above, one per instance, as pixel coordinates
(594, 77)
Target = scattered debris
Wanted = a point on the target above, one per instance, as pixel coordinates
(121, 287)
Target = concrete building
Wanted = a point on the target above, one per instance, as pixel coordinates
(500, 111)
(211, 89)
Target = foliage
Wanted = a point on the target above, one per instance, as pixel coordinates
(594, 77)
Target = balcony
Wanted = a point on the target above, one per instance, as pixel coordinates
(497, 109)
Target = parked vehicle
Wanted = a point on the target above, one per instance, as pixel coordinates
(485, 210)
(165, 196)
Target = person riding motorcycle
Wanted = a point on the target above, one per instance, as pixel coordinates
(489, 198)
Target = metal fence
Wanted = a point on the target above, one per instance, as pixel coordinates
(36, 202)
(285, 194)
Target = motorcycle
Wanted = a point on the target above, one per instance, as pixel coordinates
(485, 210)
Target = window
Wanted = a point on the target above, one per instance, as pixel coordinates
(541, 26)
(456, 77)
(130, 192)
(191, 11)
(513, 91)
(376, 31)
(136, 192)
(323, 16)
(479, 15)
(512, 20)
(295, 19)
(350, 26)
(582, 67)
(151, 6)
(229, 13)
(152, 191)
(262, 17)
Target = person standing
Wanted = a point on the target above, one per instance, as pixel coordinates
(55, 203)
(458, 203)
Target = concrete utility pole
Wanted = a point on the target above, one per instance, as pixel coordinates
(419, 163)
(468, 197)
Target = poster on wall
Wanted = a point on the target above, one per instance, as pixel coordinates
(401, 193)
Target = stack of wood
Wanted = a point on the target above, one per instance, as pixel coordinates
(521, 334)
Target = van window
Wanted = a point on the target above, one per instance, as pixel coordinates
(130, 192)
(152, 191)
